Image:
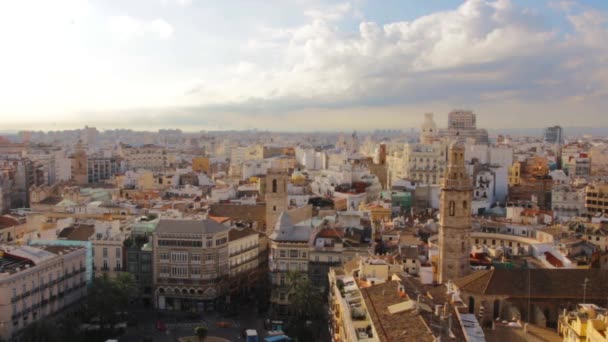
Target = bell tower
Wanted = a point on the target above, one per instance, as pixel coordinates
(455, 217)
(276, 197)
(79, 165)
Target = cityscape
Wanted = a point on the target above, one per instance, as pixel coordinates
(306, 171)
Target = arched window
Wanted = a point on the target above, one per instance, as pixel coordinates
(464, 204)
(452, 208)
(274, 185)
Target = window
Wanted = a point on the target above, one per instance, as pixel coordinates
(179, 271)
(282, 254)
(105, 252)
(164, 256)
(179, 257)
(293, 253)
(196, 258)
(464, 204)
(118, 268)
(452, 208)
(118, 252)
(164, 271)
(274, 186)
(196, 271)
(209, 243)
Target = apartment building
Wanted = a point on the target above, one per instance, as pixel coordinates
(149, 157)
(418, 162)
(36, 282)
(244, 255)
(289, 250)
(108, 249)
(596, 198)
(191, 264)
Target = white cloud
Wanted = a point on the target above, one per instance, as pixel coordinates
(127, 27)
(321, 62)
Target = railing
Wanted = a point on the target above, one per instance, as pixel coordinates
(244, 250)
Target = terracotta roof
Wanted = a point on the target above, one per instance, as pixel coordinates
(538, 283)
(7, 221)
(53, 200)
(219, 219)
(235, 234)
(81, 232)
(402, 326)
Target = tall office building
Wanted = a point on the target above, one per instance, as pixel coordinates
(554, 135)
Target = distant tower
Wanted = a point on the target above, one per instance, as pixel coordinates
(429, 129)
(80, 173)
(354, 143)
(276, 197)
(455, 217)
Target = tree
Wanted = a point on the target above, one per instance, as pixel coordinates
(43, 330)
(107, 297)
(305, 301)
(201, 333)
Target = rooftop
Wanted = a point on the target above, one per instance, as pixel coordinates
(400, 325)
(538, 283)
(190, 226)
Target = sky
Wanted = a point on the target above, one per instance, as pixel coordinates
(301, 64)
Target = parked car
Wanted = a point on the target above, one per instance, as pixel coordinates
(161, 326)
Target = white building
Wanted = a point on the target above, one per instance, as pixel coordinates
(37, 282)
(567, 202)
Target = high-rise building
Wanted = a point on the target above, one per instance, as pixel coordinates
(462, 119)
(455, 217)
(554, 135)
(462, 124)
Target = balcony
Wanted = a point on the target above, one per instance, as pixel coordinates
(244, 250)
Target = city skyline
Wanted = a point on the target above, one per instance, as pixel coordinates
(301, 65)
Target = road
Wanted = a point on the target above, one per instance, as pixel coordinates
(179, 325)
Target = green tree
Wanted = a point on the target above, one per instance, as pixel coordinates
(41, 331)
(201, 333)
(108, 297)
(305, 301)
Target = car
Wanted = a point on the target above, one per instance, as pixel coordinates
(161, 326)
(223, 324)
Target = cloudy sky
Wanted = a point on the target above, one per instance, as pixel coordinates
(301, 64)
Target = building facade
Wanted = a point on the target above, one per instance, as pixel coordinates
(289, 252)
(37, 282)
(191, 264)
(455, 217)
